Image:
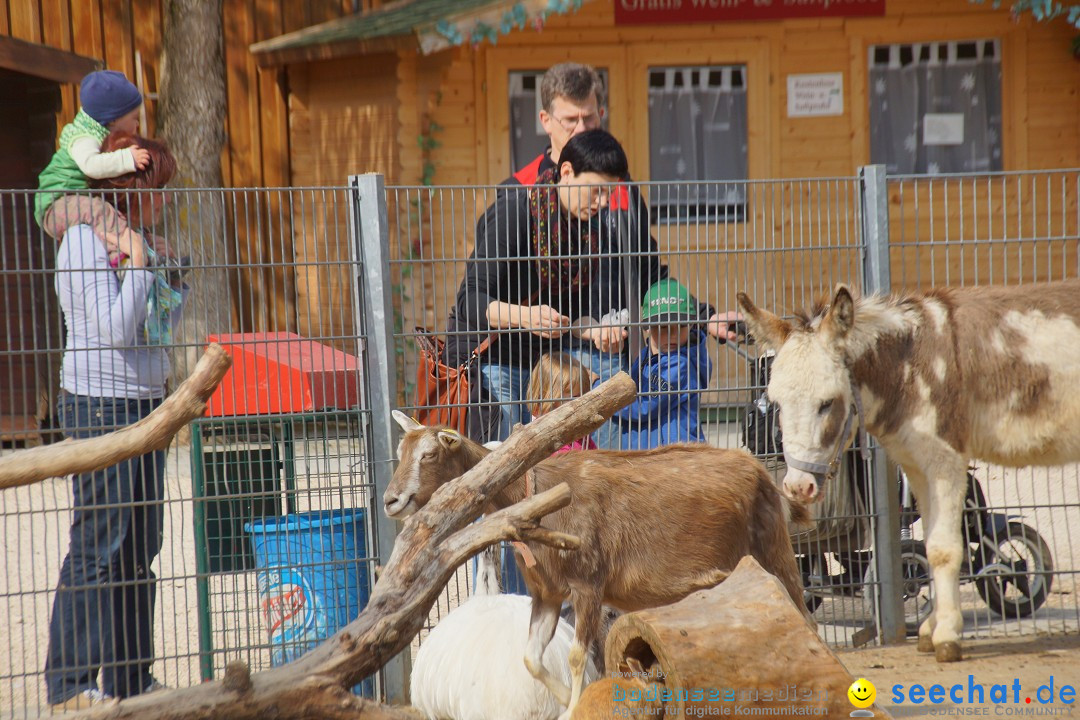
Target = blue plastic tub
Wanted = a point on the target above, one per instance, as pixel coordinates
(312, 579)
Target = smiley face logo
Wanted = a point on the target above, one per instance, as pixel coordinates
(862, 693)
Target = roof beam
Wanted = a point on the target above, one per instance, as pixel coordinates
(45, 62)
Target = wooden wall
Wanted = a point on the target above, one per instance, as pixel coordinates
(796, 242)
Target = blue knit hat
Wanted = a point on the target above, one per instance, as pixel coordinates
(106, 95)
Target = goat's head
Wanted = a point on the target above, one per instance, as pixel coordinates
(428, 457)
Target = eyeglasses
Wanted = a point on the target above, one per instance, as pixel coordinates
(589, 122)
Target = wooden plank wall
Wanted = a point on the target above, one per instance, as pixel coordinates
(257, 129)
(775, 253)
(336, 132)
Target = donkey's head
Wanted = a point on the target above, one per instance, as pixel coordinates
(812, 388)
(429, 457)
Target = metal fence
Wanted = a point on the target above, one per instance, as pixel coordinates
(350, 271)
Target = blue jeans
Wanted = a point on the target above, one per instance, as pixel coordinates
(102, 616)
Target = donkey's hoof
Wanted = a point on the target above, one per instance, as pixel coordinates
(926, 644)
(948, 652)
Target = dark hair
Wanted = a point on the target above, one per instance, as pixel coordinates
(595, 151)
(572, 81)
(155, 175)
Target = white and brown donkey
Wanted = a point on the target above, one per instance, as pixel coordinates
(956, 374)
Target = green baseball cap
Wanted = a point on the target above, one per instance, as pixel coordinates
(669, 301)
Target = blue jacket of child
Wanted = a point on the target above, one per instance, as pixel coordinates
(666, 408)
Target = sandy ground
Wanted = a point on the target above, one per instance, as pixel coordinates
(1032, 660)
(34, 522)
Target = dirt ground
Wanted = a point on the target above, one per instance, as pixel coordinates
(1031, 660)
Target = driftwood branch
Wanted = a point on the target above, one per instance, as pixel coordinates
(153, 432)
(429, 549)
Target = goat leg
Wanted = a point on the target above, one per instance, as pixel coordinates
(542, 624)
(586, 622)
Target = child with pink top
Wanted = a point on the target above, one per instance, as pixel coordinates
(555, 379)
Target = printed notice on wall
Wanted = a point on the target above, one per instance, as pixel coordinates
(943, 129)
(812, 95)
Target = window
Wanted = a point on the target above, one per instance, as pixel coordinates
(527, 136)
(697, 137)
(936, 107)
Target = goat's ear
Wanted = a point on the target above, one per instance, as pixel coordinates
(407, 423)
(769, 330)
(449, 439)
(840, 317)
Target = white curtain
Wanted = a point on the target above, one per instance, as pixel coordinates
(936, 107)
(697, 132)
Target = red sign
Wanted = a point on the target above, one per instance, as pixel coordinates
(652, 12)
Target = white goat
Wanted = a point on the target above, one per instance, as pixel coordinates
(470, 666)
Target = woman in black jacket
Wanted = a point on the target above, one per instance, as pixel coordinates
(542, 270)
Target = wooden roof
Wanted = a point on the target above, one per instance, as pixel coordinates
(45, 62)
(424, 25)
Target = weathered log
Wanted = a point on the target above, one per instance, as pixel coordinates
(429, 549)
(153, 432)
(741, 644)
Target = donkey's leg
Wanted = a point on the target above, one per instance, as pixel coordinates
(586, 622)
(945, 551)
(542, 624)
(920, 488)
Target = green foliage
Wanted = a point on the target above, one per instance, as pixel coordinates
(1043, 10)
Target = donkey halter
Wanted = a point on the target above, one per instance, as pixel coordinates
(823, 472)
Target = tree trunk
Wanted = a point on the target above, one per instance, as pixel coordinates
(429, 549)
(192, 120)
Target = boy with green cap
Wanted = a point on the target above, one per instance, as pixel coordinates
(670, 372)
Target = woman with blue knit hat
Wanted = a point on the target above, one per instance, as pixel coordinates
(109, 102)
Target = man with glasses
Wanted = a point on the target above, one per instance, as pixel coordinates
(572, 100)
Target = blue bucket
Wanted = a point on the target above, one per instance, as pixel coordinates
(311, 578)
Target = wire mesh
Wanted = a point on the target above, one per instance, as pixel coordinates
(271, 271)
(284, 439)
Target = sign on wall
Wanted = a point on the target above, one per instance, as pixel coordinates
(649, 12)
(814, 95)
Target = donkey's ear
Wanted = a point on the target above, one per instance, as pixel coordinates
(407, 423)
(770, 330)
(450, 439)
(840, 318)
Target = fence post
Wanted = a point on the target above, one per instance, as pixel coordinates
(374, 311)
(874, 198)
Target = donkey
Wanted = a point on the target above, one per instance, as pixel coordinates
(654, 526)
(939, 379)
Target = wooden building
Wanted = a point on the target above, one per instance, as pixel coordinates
(46, 47)
(809, 81)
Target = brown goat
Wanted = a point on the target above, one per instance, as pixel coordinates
(654, 526)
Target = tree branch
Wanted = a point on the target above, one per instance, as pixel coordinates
(431, 546)
(153, 432)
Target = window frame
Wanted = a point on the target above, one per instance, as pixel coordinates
(675, 213)
(864, 33)
(938, 47)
